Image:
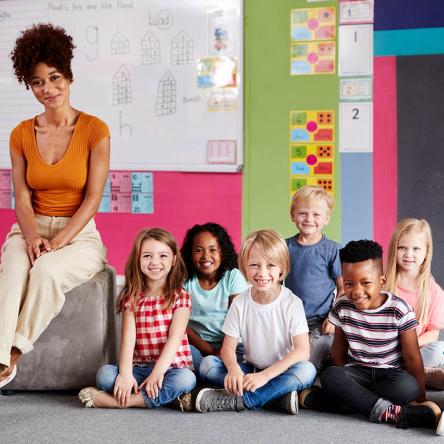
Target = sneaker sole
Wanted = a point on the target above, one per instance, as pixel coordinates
(199, 397)
(9, 378)
(440, 428)
(294, 406)
(302, 397)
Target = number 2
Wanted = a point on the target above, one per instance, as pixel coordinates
(356, 113)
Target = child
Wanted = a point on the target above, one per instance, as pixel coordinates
(409, 276)
(315, 269)
(213, 281)
(377, 368)
(155, 357)
(270, 320)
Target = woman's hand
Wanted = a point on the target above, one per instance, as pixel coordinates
(153, 384)
(36, 247)
(123, 387)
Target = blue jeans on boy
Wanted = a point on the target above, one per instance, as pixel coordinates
(176, 381)
(298, 377)
(366, 390)
(197, 355)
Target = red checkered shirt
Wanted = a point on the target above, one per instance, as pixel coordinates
(152, 327)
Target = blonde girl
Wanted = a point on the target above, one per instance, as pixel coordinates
(155, 365)
(409, 276)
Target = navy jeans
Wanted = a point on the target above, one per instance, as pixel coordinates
(296, 378)
(366, 390)
(176, 381)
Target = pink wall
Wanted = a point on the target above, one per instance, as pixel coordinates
(385, 152)
(180, 201)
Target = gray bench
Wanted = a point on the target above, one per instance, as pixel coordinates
(76, 343)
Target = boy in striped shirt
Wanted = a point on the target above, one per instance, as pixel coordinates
(377, 369)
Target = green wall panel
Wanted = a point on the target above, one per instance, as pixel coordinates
(270, 94)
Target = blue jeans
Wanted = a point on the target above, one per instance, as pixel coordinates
(197, 355)
(175, 382)
(296, 378)
(366, 390)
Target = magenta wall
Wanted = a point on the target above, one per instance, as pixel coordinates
(180, 201)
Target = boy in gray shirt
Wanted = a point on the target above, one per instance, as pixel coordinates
(315, 270)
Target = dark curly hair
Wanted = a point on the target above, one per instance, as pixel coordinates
(42, 43)
(360, 251)
(228, 252)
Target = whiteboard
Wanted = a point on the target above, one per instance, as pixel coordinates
(135, 67)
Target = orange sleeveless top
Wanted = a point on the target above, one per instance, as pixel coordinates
(58, 189)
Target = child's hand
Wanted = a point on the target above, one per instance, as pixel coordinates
(123, 387)
(234, 380)
(327, 327)
(253, 381)
(153, 384)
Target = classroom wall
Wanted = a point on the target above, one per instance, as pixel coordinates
(259, 197)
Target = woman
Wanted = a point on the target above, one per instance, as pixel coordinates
(60, 162)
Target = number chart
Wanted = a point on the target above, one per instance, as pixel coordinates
(311, 153)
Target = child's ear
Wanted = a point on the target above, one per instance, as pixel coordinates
(383, 280)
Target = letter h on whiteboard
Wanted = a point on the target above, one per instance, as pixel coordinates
(356, 127)
(355, 50)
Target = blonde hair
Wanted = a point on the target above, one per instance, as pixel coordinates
(135, 280)
(271, 246)
(405, 226)
(310, 194)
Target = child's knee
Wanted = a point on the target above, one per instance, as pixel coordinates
(187, 380)
(305, 371)
(106, 376)
(209, 363)
(331, 376)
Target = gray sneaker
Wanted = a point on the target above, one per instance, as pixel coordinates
(286, 403)
(218, 400)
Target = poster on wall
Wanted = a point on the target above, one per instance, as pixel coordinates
(311, 152)
(355, 127)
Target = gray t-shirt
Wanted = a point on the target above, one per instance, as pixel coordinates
(313, 270)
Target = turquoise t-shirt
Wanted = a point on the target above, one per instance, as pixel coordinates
(210, 306)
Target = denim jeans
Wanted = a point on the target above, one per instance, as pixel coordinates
(175, 382)
(365, 390)
(296, 378)
(320, 346)
(433, 354)
(197, 355)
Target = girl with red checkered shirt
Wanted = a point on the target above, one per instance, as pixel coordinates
(155, 365)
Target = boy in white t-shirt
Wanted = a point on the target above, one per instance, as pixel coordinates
(270, 321)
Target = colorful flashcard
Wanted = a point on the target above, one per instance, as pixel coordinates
(128, 192)
(359, 88)
(313, 24)
(313, 58)
(221, 152)
(311, 159)
(356, 127)
(311, 126)
(355, 50)
(6, 194)
(216, 72)
(222, 99)
(356, 12)
(298, 182)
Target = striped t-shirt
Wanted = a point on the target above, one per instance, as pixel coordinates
(373, 335)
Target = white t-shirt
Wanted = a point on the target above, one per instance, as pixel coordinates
(266, 330)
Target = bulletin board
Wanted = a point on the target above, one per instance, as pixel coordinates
(165, 76)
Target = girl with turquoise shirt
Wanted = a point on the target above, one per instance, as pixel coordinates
(213, 281)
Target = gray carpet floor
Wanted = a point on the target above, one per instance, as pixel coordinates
(36, 417)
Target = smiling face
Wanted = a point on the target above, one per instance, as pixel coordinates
(362, 284)
(263, 275)
(156, 261)
(206, 254)
(411, 252)
(49, 86)
(311, 217)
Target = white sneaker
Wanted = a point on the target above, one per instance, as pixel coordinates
(440, 428)
(9, 378)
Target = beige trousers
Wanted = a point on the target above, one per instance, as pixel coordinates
(31, 296)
